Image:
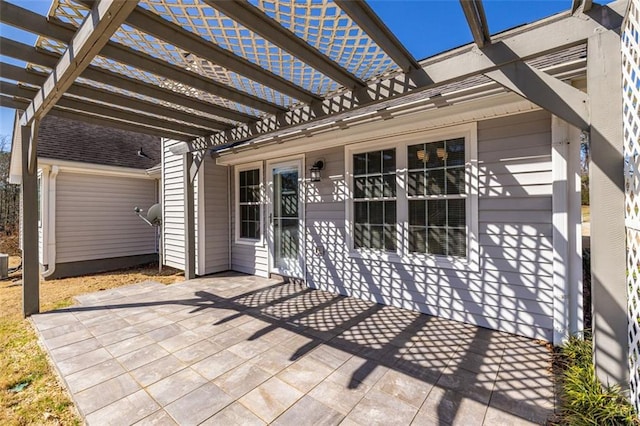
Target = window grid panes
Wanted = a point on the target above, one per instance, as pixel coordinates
(436, 193)
(374, 193)
(249, 203)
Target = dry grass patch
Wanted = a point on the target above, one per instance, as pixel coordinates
(30, 392)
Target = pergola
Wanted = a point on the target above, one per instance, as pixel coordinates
(227, 74)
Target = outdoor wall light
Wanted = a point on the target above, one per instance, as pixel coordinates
(315, 171)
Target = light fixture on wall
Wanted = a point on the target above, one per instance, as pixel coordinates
(315, 170)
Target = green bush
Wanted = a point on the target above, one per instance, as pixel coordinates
(584, 194)
(584, 400)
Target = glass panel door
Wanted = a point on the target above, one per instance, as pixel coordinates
(286, 220)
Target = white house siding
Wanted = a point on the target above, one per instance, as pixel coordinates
(95, 218)
(512, 291)
(248, 258)
(173, 207)
(215, 211)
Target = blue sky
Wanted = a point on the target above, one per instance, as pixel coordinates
(426, 27)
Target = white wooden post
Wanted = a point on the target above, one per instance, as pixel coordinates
(567, 230)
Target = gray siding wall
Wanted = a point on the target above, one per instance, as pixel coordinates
(248, 258)
(512, 291)
(215, 211)
(95, 218)
(212, 207)
(173, 207)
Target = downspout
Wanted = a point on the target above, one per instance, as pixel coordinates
(51, 229)
(230, 212)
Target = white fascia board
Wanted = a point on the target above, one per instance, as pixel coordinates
(94, 169)
(15, 164)
(379, 128)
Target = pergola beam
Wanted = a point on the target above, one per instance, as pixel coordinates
(103, 20)
(477, 20)
(36, 56)
(155, 25)
(257, 21)
(557, 97)
(83, 116)
(29, 21)
(172, 127)
(360, 12)
(523, 44)
(586, 5)
(12, 72)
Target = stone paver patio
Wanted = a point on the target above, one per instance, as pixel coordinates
(236, 349)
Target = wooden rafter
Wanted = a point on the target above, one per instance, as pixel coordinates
(29, 21)
(551, 36)
(104, 19)
(576, 4)
(360, 12)
(153, 24)
(36, 56)
(257, 21)
(12, 72)
(58, 111)
(88, 106)
(477, 20)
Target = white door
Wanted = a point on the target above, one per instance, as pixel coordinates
(286, 219)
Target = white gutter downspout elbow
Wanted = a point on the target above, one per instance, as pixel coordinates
(51, 231)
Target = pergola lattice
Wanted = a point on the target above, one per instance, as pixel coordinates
(217, 74)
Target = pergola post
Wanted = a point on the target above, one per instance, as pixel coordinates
(189, 217)
(606, 188)
(30, 262)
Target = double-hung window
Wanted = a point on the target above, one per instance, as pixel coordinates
(413, 201)
(248, 196)
(436, 198)
(374, 200)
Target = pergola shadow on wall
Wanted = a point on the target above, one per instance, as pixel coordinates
(217, 74)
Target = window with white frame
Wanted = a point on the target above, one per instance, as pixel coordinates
(415, 198)
(374, 199)
(435, 193)
(249, 205)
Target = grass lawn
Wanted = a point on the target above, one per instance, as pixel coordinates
(30, 392)
(586, 214)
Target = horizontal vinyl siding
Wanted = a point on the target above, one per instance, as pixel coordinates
(216, 216)
(173, 207)
(95, 218)
(248, 258)
(512, 291)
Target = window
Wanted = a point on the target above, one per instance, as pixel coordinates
(415, 201)
(374, 183)
(435, 191)
(249, 211)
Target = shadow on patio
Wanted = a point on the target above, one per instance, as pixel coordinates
(240, 349)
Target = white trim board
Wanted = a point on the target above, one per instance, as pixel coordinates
(96, 169)
(496, 106)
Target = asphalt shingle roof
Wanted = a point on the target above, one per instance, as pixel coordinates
(63, 139)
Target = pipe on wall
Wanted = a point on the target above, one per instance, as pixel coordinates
(51, 228)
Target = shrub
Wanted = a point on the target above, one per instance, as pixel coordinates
(584, 400)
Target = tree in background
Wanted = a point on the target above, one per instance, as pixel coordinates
(9, 194)
(585, 158)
